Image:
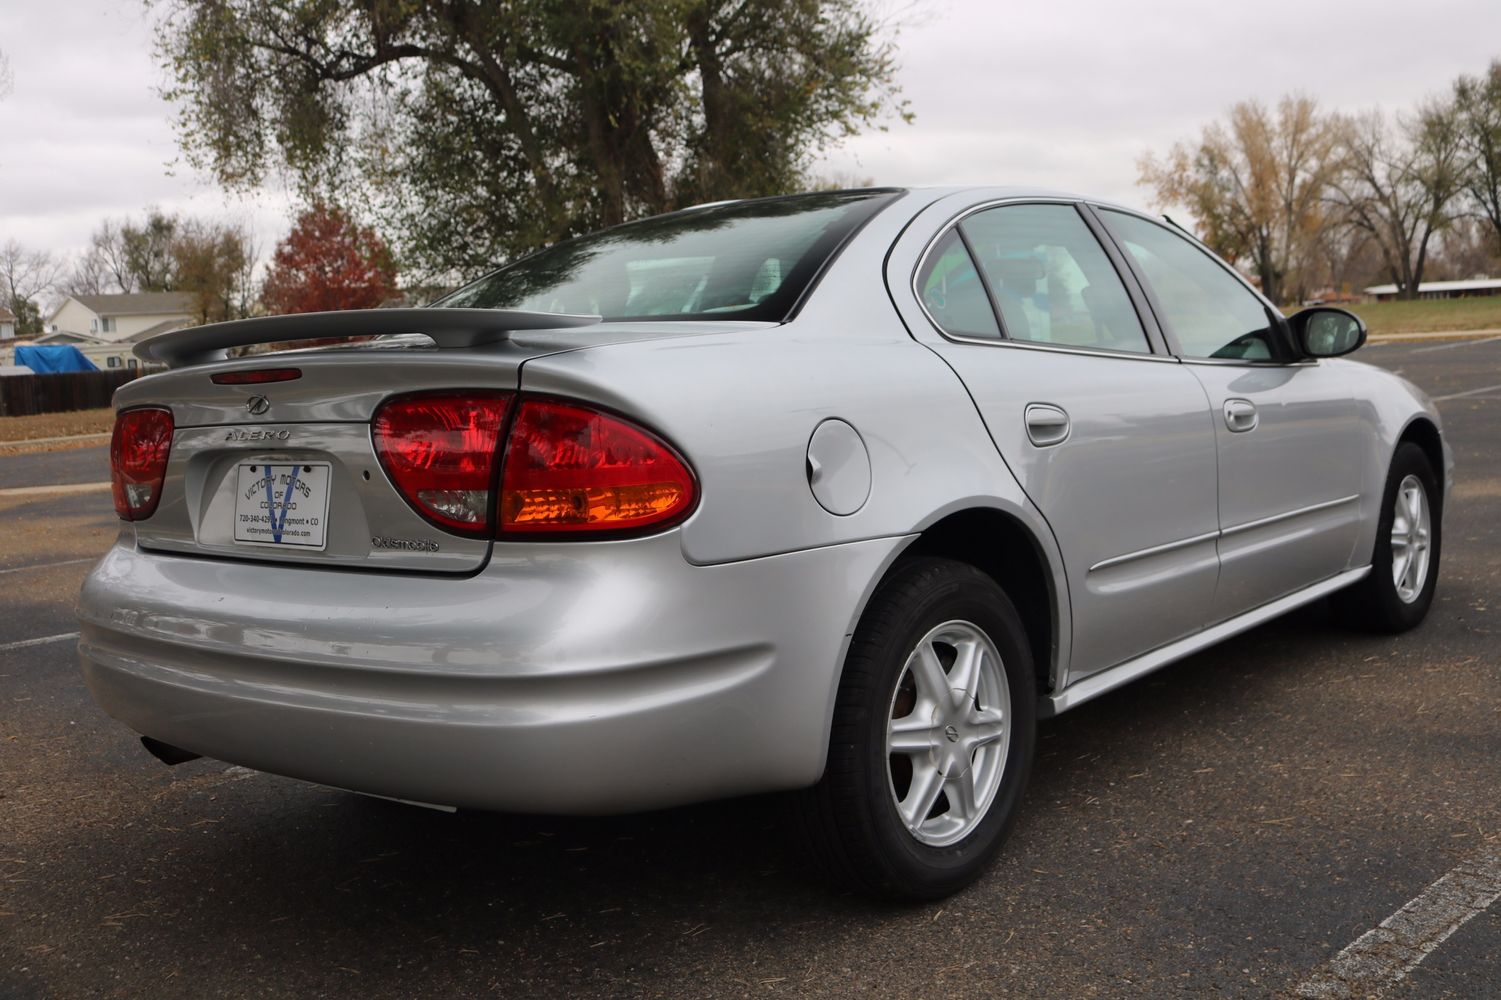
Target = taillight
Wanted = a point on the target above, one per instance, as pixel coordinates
(138, 452)
(569, 468)
(440, 450)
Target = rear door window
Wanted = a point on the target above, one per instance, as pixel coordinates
(1051, 280)
(953, 292)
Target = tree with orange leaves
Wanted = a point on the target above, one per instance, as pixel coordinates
(328, 261)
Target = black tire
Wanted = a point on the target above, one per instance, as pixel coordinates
(849, 820)
(1374, 604)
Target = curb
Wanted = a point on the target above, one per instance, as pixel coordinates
(29, 442)
(1394, 338)
(61, 490)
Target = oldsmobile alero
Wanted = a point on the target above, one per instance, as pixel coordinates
(834, 494)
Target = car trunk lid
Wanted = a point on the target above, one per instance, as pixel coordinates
(237, 449)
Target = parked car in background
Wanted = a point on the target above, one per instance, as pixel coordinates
(834, 494)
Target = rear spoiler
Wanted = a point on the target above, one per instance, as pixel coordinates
(448, 328)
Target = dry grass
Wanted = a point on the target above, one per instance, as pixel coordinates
(1431, 316)
(46, 425)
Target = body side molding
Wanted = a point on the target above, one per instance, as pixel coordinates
(1123, 673)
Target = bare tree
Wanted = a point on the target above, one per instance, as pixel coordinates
(7, 76)
(1400, 184)
(25, 275)
(1469, 248)
(1256, 185)
(108, 247)
(106, 266)
(1478, 102)
(88, 276)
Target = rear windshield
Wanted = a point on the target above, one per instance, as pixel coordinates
(748, 260)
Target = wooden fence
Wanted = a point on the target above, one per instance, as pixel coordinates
(23, 395)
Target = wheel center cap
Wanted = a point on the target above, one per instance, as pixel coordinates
(951, 733)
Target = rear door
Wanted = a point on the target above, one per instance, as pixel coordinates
(1109, 436)
(1288, 431)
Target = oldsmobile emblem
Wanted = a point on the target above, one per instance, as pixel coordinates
(405, 544)
(257, 405)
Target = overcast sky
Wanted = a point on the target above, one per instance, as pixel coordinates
(1062, 93)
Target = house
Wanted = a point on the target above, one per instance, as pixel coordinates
(121, 318)
(7, 324)
(1441, 289)
(107, 327)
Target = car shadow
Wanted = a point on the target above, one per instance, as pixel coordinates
(327, 880)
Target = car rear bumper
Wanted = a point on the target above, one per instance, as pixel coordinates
(558, 679)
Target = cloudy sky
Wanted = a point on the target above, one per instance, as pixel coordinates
(1063, 93)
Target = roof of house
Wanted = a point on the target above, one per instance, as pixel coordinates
(6, 316)
(151, 331)
(138, 303)
(68, 337)
(1470, 285)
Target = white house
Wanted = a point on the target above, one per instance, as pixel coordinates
(7, 324)
(117, 318)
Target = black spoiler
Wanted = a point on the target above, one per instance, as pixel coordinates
(448, 328)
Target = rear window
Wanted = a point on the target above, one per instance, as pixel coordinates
(749, 260)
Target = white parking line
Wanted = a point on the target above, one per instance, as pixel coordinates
(5, 646)
(1457, 343)
(22, 491)
(1440, 399)
(64, 562)
(1383, 956)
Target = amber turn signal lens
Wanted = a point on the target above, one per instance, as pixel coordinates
(571, 469)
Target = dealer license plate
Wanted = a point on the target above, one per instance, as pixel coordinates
(282, 505)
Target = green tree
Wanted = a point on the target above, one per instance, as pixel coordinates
(147, 253)
(212, 262)
(475, 131)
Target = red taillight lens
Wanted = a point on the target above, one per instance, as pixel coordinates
(138, 460)
(440, 451)
(573, 469)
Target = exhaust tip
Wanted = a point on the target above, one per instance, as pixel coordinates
(167, 753)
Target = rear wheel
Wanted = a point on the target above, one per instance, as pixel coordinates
(932, 738)
(1404, 566)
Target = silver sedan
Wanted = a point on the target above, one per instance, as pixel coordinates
(834, 494)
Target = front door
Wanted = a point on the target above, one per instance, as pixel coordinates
(1288, 433)
(1110, 439)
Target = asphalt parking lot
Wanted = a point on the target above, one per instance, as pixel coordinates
(1226, 827)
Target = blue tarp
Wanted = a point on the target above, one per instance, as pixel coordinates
(54, 358)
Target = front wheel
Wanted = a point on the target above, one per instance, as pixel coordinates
(932, 738)
(1404, 565)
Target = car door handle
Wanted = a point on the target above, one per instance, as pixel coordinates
(1047, 424)
(1240, 415)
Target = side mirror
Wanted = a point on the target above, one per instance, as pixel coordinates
(1327, 332)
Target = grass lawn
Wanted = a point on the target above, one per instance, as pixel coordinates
(1424, 316)
(45, 425)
